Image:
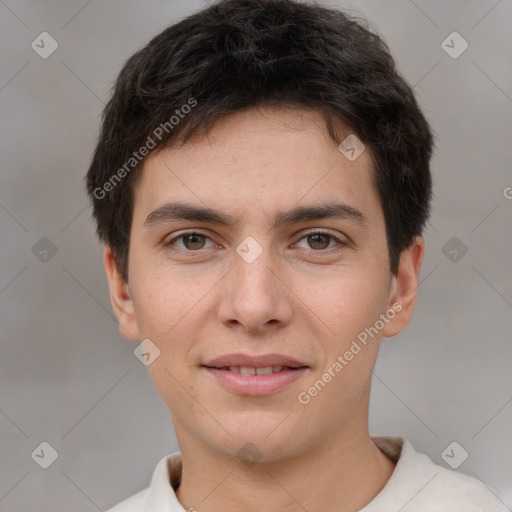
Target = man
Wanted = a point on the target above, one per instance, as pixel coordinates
(261, 184)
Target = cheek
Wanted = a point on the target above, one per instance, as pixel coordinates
(348, 306)
(349, 303)
(165, 299)
(170, 311)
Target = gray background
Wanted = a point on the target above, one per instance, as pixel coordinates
(70, 379)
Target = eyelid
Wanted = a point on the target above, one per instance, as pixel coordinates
(322, 231)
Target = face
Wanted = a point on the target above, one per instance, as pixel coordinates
(262, 289)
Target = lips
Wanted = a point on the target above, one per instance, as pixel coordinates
(255, 375)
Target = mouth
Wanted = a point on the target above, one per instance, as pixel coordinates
(250, 370)
(255, 375)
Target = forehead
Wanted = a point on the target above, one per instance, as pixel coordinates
(257, 162)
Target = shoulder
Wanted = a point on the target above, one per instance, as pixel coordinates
(418, 484)
(453, 489)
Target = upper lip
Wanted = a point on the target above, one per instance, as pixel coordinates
(253, 361)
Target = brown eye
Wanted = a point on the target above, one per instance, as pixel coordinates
(191, 241)
(319, 241)
(194, 241)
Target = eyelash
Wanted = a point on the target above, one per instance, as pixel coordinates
(341, 243)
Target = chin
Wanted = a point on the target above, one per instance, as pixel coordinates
(261, 437)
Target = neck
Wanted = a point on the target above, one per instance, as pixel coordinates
(343, 472)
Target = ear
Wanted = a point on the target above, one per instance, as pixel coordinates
(120, 298)
(404, 287)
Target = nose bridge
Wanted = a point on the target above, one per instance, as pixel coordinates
(255, 295)
(254, 269)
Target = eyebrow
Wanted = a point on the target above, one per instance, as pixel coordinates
(184, 211)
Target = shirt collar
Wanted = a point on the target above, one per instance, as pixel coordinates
(166, 478)
(416, 481)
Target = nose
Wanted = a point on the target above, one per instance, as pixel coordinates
(255, 298)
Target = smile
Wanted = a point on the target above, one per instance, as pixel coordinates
(255, 381)
(249, 370)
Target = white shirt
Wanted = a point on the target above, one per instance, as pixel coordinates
(416, 485)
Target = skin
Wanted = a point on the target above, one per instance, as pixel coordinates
(299, 299)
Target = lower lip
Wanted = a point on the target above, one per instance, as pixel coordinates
(255, 385)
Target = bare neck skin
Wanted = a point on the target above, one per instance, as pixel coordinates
(344, 472)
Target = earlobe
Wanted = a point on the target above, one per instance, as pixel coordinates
(120, 298)
(404, 288)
